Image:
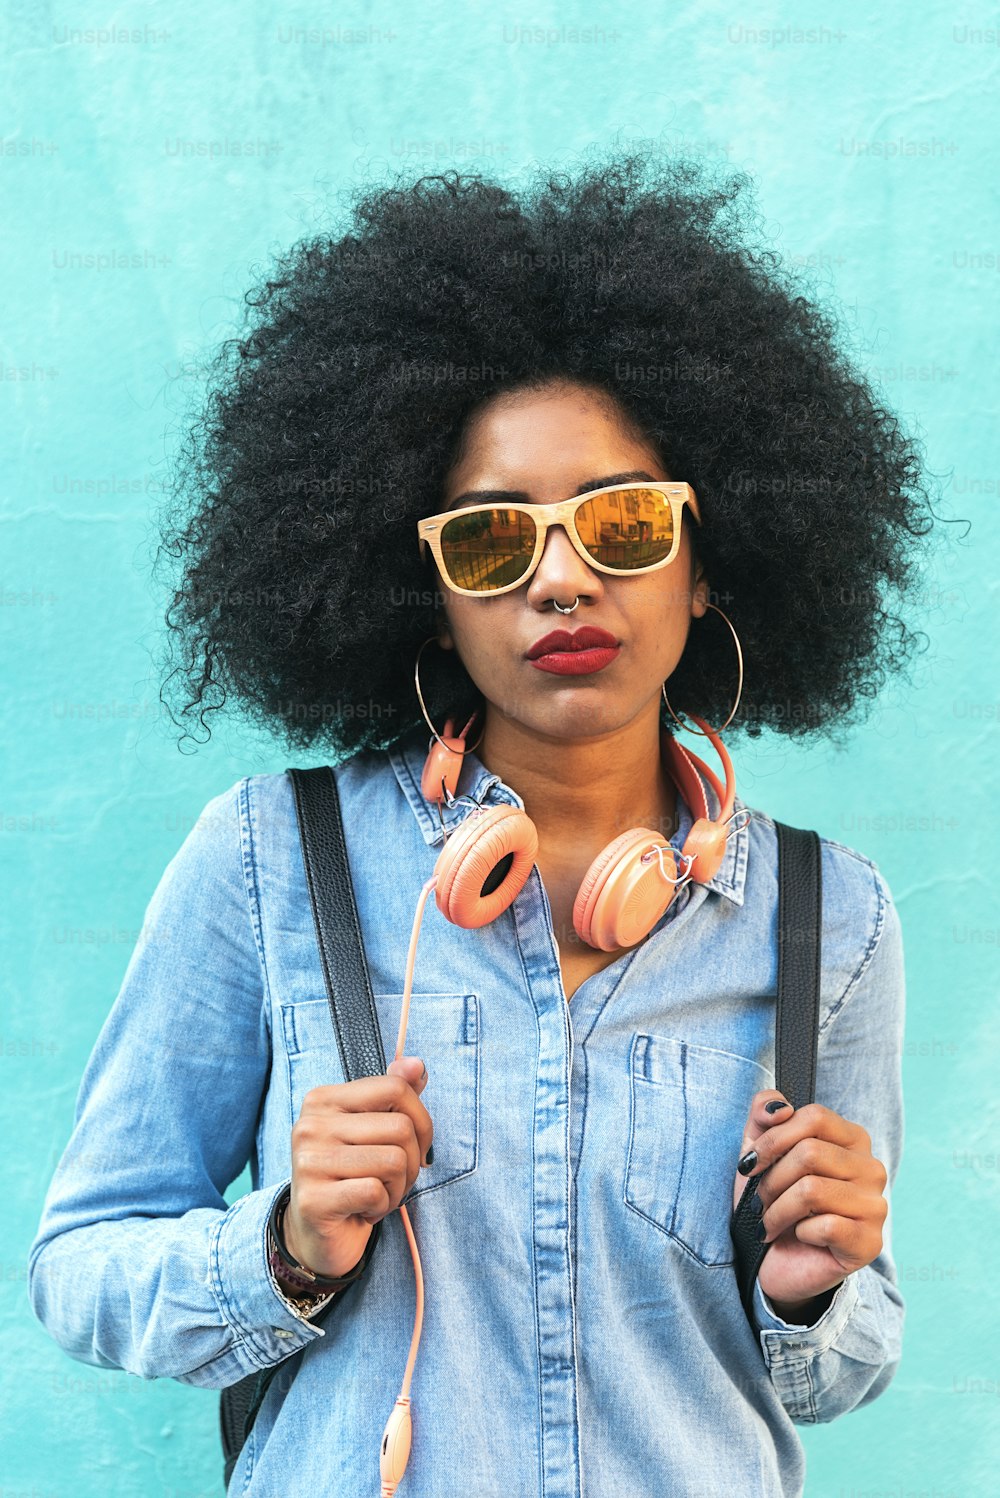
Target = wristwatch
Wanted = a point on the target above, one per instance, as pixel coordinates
(299, 1301)
(311, 1285)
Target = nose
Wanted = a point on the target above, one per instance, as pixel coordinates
(561, 572)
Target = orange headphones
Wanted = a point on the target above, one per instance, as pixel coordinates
(481, 870)
(484, 864)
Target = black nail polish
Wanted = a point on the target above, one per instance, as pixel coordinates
(746, 1165)
(762, 1230)
(775, 1104)
(430, 1154)
(756, 1203)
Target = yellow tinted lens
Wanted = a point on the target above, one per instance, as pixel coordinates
(486, 549)
(627, 528)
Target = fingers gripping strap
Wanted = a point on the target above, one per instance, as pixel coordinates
(348, 986)
(797, 1016)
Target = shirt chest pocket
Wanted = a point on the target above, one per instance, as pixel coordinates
(689, 1106)
(443, 1030)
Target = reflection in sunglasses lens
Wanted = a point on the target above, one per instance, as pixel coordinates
(487, 549)
(627, 528)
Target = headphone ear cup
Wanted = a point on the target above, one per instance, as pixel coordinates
(492, 851)
(621, 898)
(707, 841)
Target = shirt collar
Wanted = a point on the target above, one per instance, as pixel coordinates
(407, 758)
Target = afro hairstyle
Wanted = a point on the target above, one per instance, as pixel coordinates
(324, 432)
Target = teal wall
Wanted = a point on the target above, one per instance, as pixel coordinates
(872, 140)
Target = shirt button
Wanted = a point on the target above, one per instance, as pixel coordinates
(280, 1331)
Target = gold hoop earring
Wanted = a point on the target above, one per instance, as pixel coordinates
(739, 689)
(420, 698)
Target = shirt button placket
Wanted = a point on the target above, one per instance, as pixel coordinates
(552, 1175)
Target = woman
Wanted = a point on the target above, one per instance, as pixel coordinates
(462, 348)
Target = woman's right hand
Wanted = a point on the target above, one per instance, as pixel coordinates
(357, 1148)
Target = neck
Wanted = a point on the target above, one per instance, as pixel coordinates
(594, 788)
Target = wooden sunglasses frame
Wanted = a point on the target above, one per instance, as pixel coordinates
(562, 513)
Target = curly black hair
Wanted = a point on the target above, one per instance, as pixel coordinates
(327, 430)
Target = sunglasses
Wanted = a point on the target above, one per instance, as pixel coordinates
(624, 530)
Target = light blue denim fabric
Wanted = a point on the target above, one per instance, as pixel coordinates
(583, 1335)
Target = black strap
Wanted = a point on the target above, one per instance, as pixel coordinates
(338, 930)
(352, 1010)
(796, 1040)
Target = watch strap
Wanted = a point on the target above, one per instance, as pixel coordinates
(300, 1275)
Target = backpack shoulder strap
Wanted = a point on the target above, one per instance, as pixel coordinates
(800, 925)
(800, 937)
(338, 930)
(352, 1010)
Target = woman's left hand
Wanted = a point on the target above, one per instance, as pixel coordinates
(821, 1192)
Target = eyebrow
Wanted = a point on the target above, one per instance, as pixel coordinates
(485, 496)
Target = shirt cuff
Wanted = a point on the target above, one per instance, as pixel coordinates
(784, 1341)
(245, 1287)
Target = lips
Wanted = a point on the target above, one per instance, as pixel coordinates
(589, 637)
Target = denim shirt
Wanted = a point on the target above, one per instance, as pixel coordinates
(583, 1334)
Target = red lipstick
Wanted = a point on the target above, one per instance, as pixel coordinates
(586, 650)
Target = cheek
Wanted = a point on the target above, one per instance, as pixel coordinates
(484, 637)
(651, 607)
(675, 594)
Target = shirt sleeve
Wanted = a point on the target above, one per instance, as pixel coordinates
(848, 1357)
(138, 1262)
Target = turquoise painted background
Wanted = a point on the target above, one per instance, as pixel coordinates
(199, 141)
